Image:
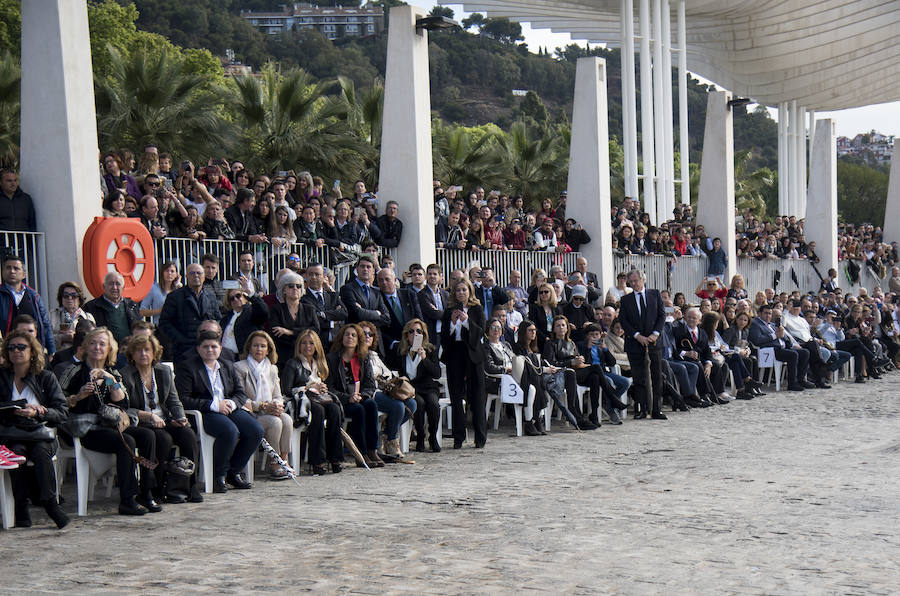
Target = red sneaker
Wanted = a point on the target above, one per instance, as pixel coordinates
(11, 455)
(5, 464)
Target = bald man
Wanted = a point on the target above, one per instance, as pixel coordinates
(112, 309)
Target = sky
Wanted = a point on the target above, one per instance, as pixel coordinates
(884, 118)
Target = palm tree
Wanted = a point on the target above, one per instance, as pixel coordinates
(287, 121)
(460, 157)
(365, 112)
(750, 189)
(10, 84)
(153, 100)
(535, 168)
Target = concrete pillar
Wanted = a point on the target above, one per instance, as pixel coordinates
(406, 169)
(783, 151)
(664, 211)
(588, 183)
(683, 138)
(647, 146)
(668, 127)
(801, 163)
(821, 205)
(892, 207)
(715, 206)
(793, 160)
(629, 101)
(59, 130)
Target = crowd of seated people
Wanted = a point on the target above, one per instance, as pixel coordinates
(374, 353)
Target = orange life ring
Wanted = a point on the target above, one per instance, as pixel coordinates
(120, 244)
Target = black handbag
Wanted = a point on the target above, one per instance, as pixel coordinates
(39, 432)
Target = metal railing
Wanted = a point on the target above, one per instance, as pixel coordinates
(503, 261)
(32, 247)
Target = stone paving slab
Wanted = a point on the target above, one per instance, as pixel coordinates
(785, 494)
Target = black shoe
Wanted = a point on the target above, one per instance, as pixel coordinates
(150, 503)
(219, 486)
(681, 406)
(530, 430)
(594, 419)
(860, 379)
(175, 498)
(23, 517)
(585, 424)
(336, 467)
(237, 481)
(640, 415)
(433, 443)
(131, 507)
(196, 495)
(874, 375)
(420, 444)
(56, 514)
(539, 424)
(659, 416)
(796, 387)
(693, 401)
(479, 445)
(457, 444)
(319, 470)
(744, 394)
(822, 385)
(808, 385)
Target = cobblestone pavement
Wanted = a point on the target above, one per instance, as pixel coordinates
(785, 494)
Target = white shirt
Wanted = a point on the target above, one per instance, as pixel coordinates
(228, 339)
(27, 394)
(218, 389)
(438, 305)
(457, 327)
(797, 327)
(412, 365)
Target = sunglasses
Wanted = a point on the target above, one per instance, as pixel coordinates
(154, 184)
(294, 259)
(415, 331)
(545, 291)
(577, 297)
(368, 334)
(17, 347)
(237, 297)
(294, 286)
(69, 295)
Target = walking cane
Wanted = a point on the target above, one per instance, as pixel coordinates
(648, 379)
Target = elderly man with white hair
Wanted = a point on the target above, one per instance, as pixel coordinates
(112, 310)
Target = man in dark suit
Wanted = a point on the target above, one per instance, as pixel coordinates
(401, 304)
(763, 334)
(692, 345)
(487, 291)
(240, 217)
(432, 300)
(184, 310)
(329, 309)
(642, 317)
(363, 301)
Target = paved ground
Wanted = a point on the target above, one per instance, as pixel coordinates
(785, 494)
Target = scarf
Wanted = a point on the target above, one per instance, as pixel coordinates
(260, 372)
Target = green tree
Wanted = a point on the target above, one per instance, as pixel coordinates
(155, 100)
(862, 192)
(11, 27)
(533, 166)
(441, 11)
(464, 156)
(365, 112)
(751, 187)
(286, 121)
(476, 19)
(503, 30)
(10, 90)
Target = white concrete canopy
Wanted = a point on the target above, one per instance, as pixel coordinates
(406, 172)
(821, 204)
(825, 54)
(59, 127)
(715, 206)
(588, 185)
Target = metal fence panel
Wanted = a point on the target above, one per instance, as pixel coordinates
(31, 246)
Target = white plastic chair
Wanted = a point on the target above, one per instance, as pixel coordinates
(89, 467)
(206, 453)
(766, 361)
(7, 504)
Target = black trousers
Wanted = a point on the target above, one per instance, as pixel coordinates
(574, 404)
(797, 361)
(593, 377)
(861, 354)
(650, 398)
(325, 443)
(427, 403)
(40, 453)
(465, 380)
(107, 440)
(530, 378)
(166, 438)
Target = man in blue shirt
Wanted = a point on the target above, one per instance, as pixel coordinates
(595, 352)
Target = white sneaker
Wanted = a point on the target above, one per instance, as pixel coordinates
(726, 395)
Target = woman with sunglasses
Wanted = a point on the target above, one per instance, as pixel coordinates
(289, 317)
(542, 311)
(305, 374)
(396, 411)
(462, 328)
(245, 313)
(65, 317)
(422, 368)
(22, 376)
(351, 379)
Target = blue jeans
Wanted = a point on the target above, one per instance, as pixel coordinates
(620, 384)
(396, 412)
(838, 359)
(686, 373)
(237, 436)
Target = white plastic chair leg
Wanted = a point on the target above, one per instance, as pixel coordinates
(7, 504)
(405, 432)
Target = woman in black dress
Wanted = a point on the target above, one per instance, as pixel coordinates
(290, 317)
